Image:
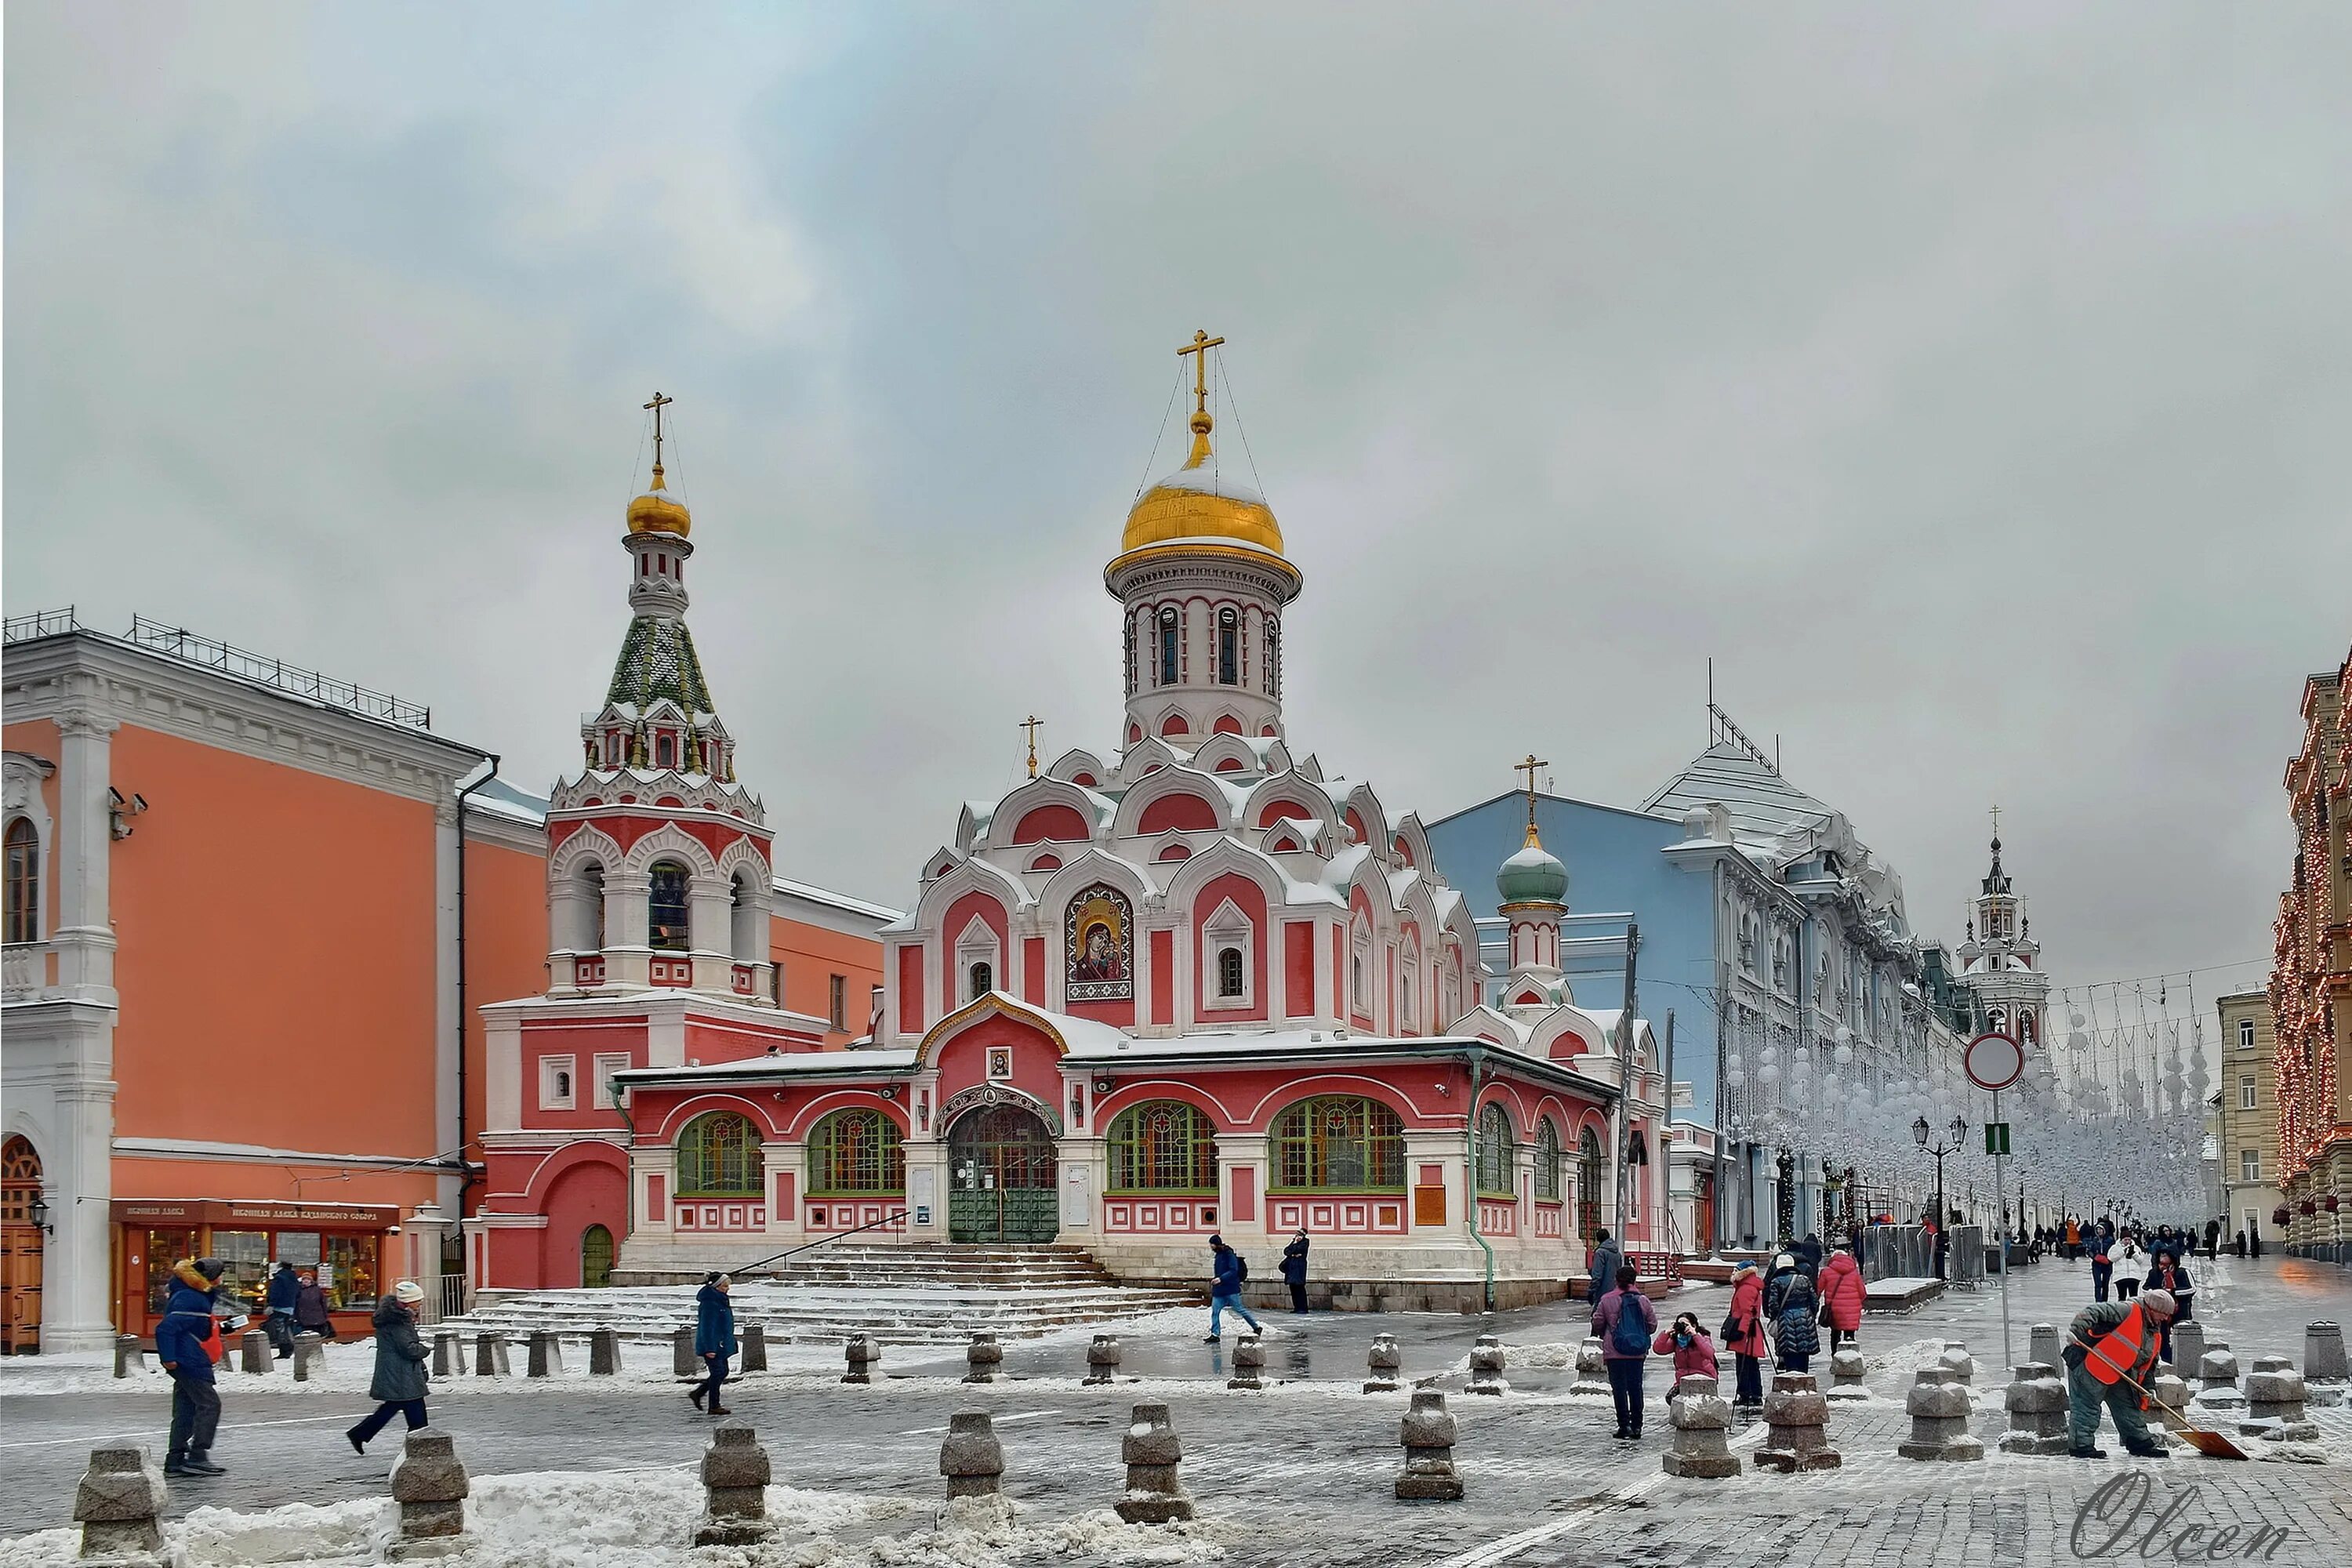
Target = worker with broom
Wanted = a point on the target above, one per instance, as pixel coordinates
(2110, 1359)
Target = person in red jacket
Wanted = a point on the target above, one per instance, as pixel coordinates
(1842, 1292)
(1743, 1333)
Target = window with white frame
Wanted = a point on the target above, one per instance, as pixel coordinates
(2249, 1164)
(605, 1065)
(2245, 1034)
(555, 1076)
(1228, 940)
(2246, 1093)
(978, 957)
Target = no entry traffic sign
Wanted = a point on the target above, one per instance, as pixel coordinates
(1994, 1061)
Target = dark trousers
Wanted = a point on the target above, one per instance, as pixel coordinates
(2100, 1274)
(1298, 1295)
(412, 1408)
(1796, 1361)
(1750, 1379)
(2126, 1288)
(1625, 1382)
(710, 1388)
(1841, 1337)
(196, 1416)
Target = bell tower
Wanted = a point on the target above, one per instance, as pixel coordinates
(2000, 963)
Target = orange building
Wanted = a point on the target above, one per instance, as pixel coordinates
(268, 1056)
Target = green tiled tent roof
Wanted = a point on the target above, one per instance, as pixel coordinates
(657, 660)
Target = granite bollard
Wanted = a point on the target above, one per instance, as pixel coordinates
(2275, 1399)
(120, 1496)
(603, 1351)
(489, 1354)
(971, 1459)
(2172, 1394)
(2036, 1402)
(1487, 1366)
(983, 1358)
(753, 1343)
(2325, 1375)
(2217, 1380)
(430, 1486)
(1797, 1418)
(1427, 1432)
(448, 1354)
(1938, 1407)
(2044, 1345)
(128, 1357)
(1102, 1360)
(1151, 1451)
(2188, 1346)
(1959, 1363)
(1700, 1415)
(546, 1354)
(1249, 1364)
(1847, 1374)
(859, 1352)
(1381, 1362)
(310, 1351)
(735, 1473)
(254, 1352)
(1592, 1370)
(683, 1362)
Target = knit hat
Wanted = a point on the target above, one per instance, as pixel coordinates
(409, 1291)
(2161, 1302)
(211, 1268)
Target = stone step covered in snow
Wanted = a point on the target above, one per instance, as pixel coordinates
(951, 1263)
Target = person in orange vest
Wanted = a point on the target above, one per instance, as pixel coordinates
(2109, 1348)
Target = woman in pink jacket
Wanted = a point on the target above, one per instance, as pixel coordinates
(1743, 1333)
(1841, 1291)
(1693, 1351)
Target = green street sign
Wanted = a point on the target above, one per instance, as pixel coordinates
(1995, 1137)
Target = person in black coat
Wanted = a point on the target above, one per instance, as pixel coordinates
(280, 1322)
(714, 1340)
(1808, 1253)
(1294, 1270)
(399, 1385)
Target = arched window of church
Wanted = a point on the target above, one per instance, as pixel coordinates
(668, 925)
(1337, 1143)
(1170, 668)
(24, 882)
(1229, 972)
(665, 750)
(1587, 1184)
(983, 980)
(1356, 981)
(1165, 1146)
(746, 920)
(1547, 1162)
(1408, 1019)
(855, 1151)
(1272, 679)
(1229, 647)
(1498, 1154)
(591, 914)
(719, 1157)
(1129, 650)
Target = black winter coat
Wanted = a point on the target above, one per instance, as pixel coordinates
(399, 1354)
(1294, 1262)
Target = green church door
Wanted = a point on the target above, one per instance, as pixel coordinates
(595, 1258)
(1002, 1171)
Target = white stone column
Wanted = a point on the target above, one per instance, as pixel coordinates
(75, 1313)
(710, 916)
(85, 929)
(448, 1022)
(625, 952)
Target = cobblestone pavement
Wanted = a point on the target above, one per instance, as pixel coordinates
(1301, 1473)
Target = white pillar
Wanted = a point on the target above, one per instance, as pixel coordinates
(76, 1314)
(84, 932)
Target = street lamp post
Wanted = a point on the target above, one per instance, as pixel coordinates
(1920, 1133)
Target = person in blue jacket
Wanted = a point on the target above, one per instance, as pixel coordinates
(285, 1287)
(714, 1339)
(1228, 1271)
(181, 1345)
(1294, 1270)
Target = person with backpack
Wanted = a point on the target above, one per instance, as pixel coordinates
(1294, 1270)
(187, 1342)
(1228, 1270)
(1743, 1333)
(2110, 1347)
(1795, 1334)
(1627, 1325)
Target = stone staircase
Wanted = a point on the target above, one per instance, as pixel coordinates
(931, 1294)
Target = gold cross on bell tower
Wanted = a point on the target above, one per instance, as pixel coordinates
(1031, 724)
(1200, 346)
(1528, 767)
(657, 405)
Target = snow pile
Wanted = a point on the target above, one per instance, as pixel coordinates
(1551, 1355)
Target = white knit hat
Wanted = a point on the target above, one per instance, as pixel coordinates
(410, 1291)
(2161, 1302)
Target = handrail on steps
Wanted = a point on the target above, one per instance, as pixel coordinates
(897, 1221)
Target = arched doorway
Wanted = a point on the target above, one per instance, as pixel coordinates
(1002, 1171)
(595, 1258)
(20, 1248)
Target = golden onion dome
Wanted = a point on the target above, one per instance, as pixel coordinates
(659, 512)
(1198, 502)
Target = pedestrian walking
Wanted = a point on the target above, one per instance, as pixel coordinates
(1227, 1271)
(1693, 1351)
(187, 1342)
(2073, 1239)
(1841, 1296)
(2169, 1275)
(1294, 1270)
(2103, 1268)
(1743, 1333)
(398, 1386)
(2110, 1346)
(2212, 1238)
(2253, 1243)
(1627, 1325)
(312, 1315)
(278, 1319)
(2238, 1248)
(1602, 1266)
(1795, 1334)
(714, 1340)
(1808, 1253)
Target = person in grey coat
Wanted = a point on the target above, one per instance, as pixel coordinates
(1606, 1260)
(399, 1380)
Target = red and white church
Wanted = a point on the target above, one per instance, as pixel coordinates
(1191, 984)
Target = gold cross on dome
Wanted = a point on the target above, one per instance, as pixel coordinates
(1031, 724)
(1995, 822)
(1528, 767)
(657, 405)
(1201, 344)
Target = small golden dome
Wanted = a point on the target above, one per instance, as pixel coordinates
(659, 512)
(1197, 502)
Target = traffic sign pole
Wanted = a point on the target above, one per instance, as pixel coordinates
(1997, 1188)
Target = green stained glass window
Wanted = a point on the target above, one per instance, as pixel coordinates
(1164, 1146)
(719, 1157)
(1548, 1161)
(855, 1151)
(1496, 1153)
(1339, 1143)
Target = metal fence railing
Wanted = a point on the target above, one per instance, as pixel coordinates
(182, 644)
(41, 624)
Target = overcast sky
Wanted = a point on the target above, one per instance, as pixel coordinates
(1972, 382)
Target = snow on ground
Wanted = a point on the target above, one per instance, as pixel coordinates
(625, 1518)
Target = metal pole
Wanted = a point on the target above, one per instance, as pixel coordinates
(2006, 1359)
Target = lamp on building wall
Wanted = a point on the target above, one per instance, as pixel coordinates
(38, 1212)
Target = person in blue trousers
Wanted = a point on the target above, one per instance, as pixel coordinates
(714, 1339)
(1228, 1271)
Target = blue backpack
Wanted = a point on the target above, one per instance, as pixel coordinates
(1631, 1335)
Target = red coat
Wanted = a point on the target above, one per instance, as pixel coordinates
(1747, 1316)
(1695, 1359)
(1841, 1291)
